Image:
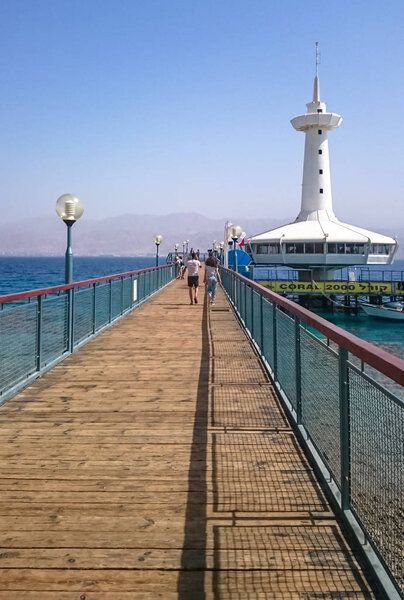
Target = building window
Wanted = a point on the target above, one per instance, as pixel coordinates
(380, 248)
(338, 248)
(319, 110)
(313, 248)
(274, 248)
(320, 131)
(321, 171)
(321, 190)
(352, 248)
(262, 248)
(320, 151)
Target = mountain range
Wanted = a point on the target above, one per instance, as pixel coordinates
(130, 234)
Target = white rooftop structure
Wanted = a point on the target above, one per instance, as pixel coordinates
(317, 240)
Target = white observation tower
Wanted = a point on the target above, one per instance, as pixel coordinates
(317, 242)
(316, 189)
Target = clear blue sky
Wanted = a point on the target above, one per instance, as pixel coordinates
(159, 106)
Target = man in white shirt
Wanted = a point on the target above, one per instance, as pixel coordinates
(193, 267)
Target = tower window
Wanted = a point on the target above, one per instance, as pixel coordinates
(320, 131)
(319, 110)
(320, 171)
(321, 190)
(320, 151)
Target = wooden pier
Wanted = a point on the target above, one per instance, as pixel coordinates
(156, 462)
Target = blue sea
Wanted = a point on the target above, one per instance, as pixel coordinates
(19, 274)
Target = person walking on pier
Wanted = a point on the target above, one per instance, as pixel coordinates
(212, 277)
(193, 266)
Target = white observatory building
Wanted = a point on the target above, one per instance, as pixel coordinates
(317, 242)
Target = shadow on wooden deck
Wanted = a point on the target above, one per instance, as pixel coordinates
(196, 514)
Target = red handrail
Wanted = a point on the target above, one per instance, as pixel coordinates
(386, 363)
(62, 288)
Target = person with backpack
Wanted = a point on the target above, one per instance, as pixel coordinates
(212, 277)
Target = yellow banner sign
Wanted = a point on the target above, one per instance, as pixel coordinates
(329, 287)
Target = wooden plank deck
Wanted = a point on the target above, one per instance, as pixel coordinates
(156, 462)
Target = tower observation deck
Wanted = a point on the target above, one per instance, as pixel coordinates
(317, 241)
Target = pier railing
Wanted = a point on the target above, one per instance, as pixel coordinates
(345, 397)
(39, 328)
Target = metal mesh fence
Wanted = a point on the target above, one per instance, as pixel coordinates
(241, 300)
(83, 314)
(268, 333)
(18, 344)
(54, 329)
(286, 352)
(377, 467)
(127, 293)
(141, 287)
(35, 334)
(116, 297)
(320, 399)
(101, 305)
(146, 284)
(256, 301)
(374, 432)
(248, 305)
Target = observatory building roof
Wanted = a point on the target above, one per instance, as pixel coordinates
(320, 231)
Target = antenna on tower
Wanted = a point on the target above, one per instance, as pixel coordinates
(318, 57)
(316, 88)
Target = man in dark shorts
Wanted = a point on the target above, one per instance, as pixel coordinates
(193, 267)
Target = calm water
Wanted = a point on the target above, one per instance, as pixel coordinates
(18, 274)
(386, 334)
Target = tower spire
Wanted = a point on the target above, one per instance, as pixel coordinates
(316, 187)
(316, 89)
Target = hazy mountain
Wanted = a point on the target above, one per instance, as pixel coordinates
(129, 235)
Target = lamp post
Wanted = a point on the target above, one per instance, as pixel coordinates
(176, 248)
(69, 208)
(184, 243)
(157, 240)
(187, 242)
(221, 250)
(235, 232)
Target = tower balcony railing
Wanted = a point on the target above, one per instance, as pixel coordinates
(345, 397)
(39, 328)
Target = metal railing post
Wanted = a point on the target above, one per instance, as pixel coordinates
(252, 312)
(110, 301)
(344, 428)
(39, 334)
(70, 319)
(94, 307)
(245, 306)
(298, 363)
(275, 343)
(262, 324)
(121, 295)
